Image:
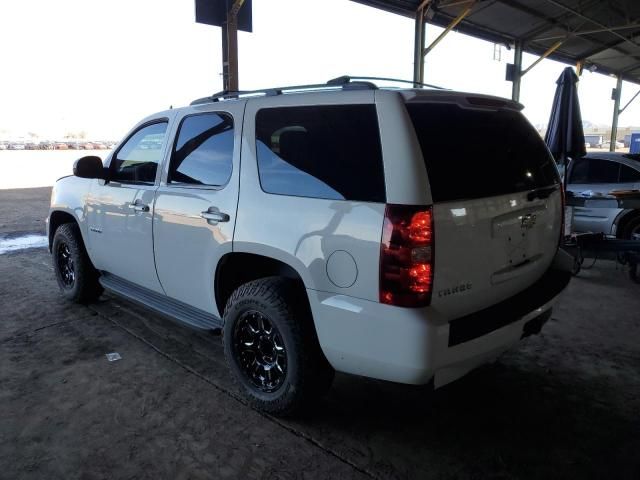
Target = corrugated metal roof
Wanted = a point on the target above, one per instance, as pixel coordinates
(603, 33)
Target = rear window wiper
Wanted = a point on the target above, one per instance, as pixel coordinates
(543, 192)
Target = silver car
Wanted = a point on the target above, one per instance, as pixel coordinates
(598, 174)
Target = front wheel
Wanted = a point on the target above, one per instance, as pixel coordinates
(272, 349)
(76, 276)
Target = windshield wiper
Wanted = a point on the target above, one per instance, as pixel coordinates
(543, 192)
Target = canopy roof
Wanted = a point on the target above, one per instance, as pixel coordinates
(604, 34)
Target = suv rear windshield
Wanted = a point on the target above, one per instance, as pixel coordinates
(480, 153)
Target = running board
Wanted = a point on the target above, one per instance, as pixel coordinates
(162, 304)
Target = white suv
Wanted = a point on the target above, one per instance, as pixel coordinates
(406, 235)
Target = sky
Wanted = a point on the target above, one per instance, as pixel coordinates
(101, 66)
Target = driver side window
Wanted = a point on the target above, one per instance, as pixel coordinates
(137, 160)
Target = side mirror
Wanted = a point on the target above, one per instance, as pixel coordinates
(89, 167)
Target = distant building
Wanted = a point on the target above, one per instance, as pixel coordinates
(594, 139)
(627, 138)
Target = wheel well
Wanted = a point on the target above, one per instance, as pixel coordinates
(624, 221)
(56, 219)
(235, 269)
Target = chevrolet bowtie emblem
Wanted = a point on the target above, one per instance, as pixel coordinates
(528, 221)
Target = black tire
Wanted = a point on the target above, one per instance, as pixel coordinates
(293, 373)
(75, 274)
(633, 272)
(578, 260)
(631, 229)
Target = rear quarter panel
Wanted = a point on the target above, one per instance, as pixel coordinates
(311, 235)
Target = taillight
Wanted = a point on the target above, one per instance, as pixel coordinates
(406, 256)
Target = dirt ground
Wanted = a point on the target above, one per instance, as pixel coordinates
(24, 210)
(564, 404)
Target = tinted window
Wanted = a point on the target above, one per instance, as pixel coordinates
(203, 151)
(628, 174)
(321, 151)
(603, 171)
(579, 172)
(480, 153)
(137, 160)
(593, 170)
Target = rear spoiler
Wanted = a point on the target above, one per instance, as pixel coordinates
(465, 100)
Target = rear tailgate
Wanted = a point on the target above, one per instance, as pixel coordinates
(497, 201)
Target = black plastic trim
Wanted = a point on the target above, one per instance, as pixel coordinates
(511, 310)
(162, 304)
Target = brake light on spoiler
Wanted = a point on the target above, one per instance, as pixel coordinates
(406, 256)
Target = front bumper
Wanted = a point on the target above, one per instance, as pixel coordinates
(414, 346)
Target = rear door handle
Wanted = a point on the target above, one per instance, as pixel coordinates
(214, 215)
(139, 207)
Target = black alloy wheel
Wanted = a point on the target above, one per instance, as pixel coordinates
(272, 349)
(66, 265)
(260, 350)
(74, 272)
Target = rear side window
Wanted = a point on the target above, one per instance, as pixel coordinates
(329, 151)
(203, 153)
(480, 153)
(593, 170)
(137, 160)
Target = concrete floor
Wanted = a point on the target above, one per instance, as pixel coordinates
(564, 404)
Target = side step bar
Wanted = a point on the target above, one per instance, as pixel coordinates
(162, 304)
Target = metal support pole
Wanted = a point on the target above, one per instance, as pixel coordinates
(225, 59)
(517, 71)
(549, 51)
(451, 26)
(230, 48)
(629, 102)
(418, 47)
(616, 114)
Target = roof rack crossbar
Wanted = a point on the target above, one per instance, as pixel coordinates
(345, 82)
(344, 79)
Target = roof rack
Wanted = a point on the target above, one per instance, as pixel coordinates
(344, 82)
(348, 78)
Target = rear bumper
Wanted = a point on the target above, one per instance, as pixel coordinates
(415, 346)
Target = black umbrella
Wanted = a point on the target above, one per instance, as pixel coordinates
(565, 137)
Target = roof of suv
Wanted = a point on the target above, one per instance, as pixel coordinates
(630, 159)
(418, 91)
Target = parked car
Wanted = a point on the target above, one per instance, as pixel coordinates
(61, 146)
(342, 236)
(4, 146)
(31, 146)
(599, 174)
(16, 146)
(46, 145)
(607, 144)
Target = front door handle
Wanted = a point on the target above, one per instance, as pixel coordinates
(139, 207)
(213, 215)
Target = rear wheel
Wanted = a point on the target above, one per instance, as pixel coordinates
(76, 276)
(631, 230)
(272, 349)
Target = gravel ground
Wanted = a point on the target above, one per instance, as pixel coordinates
(564, 404)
